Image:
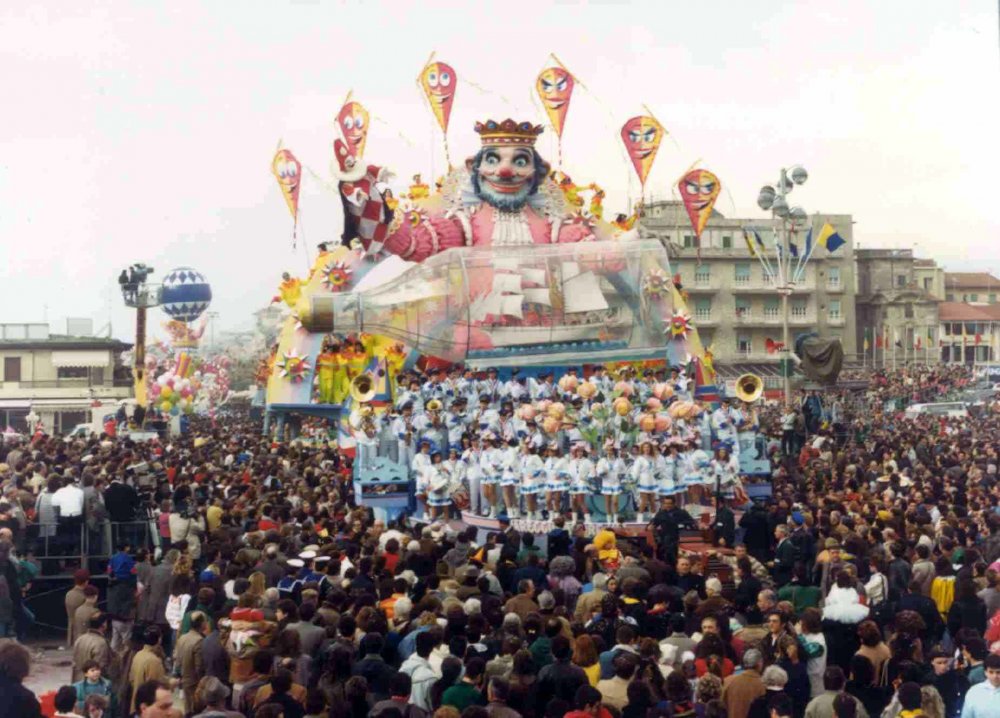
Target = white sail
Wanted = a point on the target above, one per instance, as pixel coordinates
(534, 276)
(582, 293)
(538, 296)
(506, 282)
(512, 306)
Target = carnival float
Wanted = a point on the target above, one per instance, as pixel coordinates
(510, 263)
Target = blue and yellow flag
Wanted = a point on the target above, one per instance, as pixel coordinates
(750, 246)
(829, 239)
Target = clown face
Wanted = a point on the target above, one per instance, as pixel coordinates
(353, 120)
(505, 176)
(699, 189)
(555, 87)
(642, 137)
(439, 80)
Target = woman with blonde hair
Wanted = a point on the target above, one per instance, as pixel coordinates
(258, 584)
(585, 655)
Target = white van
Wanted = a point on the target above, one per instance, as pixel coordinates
(951, 409)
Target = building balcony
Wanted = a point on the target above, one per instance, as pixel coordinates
(807, 319)
(836, 321)
(64, 389)
(764, 286)
(705, 319)
(704, 287)
(834, 287)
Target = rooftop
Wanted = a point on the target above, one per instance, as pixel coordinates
(970, 280)
(63, 341)
(962, 312)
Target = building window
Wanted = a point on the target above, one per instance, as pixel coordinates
(900, 280)
(973, 297)
(742, 308)
(928, 282)
(949, 297)
(993, 298)
(727, 242)
(71, 372)
(833, 310)
(744, 344)
(772, 308)
(908, 311)
(833, 278)
(689, 241)
(66, 421)
(12, 369)
(702, 275)
(741, 273)
(799, 308)
(703, 309)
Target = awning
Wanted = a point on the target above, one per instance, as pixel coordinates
(81, 358)
(68, 403)
(14, 404)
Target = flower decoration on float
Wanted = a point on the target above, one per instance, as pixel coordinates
(337, 276)
(293, 366)
(656, 283)
(680, 325)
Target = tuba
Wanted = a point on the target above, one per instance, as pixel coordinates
(362, 388)
(749, 388)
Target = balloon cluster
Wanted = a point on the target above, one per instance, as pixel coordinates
(621, 409)
(191, 385)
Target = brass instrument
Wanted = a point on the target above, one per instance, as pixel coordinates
(434, 405)
(749, 388)
(362, 388)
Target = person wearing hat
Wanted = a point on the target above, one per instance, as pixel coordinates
(490, 387)
(609, 470)
(510, 477)
(404, 432)
(581, 473)
(455, 422)
(491, 466)
(643, 473)
(215, 693)
(557, 474)
(532, 470)
(472, 459)
(438, 483)
(695, 462)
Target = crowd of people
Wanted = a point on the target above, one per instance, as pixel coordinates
(868, 584)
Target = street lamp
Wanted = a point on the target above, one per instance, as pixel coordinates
(773, 198)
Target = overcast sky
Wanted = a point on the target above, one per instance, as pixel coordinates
(144, 131)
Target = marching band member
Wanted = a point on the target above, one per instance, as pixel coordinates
(610, 469)
(402, 429)
(643, 473)
(675, 469)
(665, 471)
(485, 418)
(541, 388)
(455, 422)
(680, 382)
(438, 484)
(724, 421)
(581, 472)
(422, 460)
(490, 387)
(532, 478)
(468, 387)
(725, 469)
(472, 458)
(435, 387)
(490, 462)
(411, 396)
(557, 471)
(514, 388)
(510, 477)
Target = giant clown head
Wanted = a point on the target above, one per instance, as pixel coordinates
(642, 136)
(353, 121)
(507, 171)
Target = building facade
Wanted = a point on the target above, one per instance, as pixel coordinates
(971, 287)
(896, 306)
(735, 305)
(969, 333)
(57, 378)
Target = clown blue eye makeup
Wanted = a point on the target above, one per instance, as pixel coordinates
(491, 158)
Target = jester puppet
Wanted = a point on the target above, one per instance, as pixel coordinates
(502, 196)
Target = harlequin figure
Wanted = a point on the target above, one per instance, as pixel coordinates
(332, 375)
(289, 291)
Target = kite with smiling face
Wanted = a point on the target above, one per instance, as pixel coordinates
(438, 81)
(288, 171)
(699, 189)
(555, 88)
(642, 136)
(353, 121)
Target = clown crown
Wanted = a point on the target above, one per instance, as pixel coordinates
(508, 132)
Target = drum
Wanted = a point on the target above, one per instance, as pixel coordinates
(460, 498)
